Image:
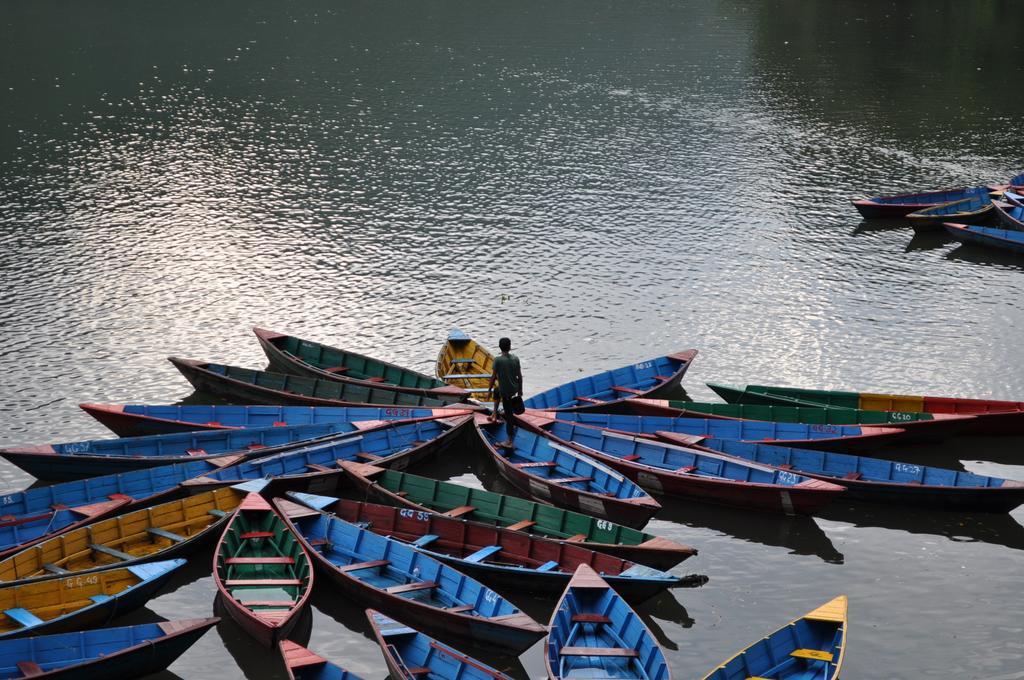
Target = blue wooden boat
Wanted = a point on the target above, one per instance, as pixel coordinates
(884, 481)
(1014, 197)
(390, 576)
(697, 474)
(302, 664)
(594, 634)
(810, 648)
(240, 385)
(78, 460)
(135, 420)
(989, 237)
(821, 437)
(495, 555)
(975, 208)
(411, 655)
(561, 476)
(103, 654)
(317, 468)
(899, 205)
(75, 603)
(654, 378)
(35, 514)
(1011, 216)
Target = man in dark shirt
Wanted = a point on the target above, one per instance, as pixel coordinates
(510, 385)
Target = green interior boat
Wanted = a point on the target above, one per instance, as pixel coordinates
(809, 415)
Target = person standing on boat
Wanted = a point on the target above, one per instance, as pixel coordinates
(509, 376)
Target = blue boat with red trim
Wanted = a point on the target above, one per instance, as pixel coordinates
(988, 237)
(654, 378)
(136, 420)
(696, 474)
(875, 480)
(813, 436)
(900, 205)
(594, 634)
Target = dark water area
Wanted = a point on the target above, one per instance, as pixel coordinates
(604, 182)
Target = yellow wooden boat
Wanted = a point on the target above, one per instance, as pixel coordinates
(161, 532)
(80, 601)
(812, 646)
(463, 362)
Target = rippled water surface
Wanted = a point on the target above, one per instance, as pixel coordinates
(602, 181)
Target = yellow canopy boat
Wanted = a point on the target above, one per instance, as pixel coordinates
(463, 362)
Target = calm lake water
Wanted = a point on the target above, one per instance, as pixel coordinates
(604, 182)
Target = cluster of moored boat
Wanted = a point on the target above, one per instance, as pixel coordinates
(965, 213)
(271, 477)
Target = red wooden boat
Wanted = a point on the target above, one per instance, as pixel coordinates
(140, 420)
(262, 571)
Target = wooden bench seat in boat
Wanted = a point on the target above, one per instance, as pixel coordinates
(599, 651)
(260, 560)
(29, 669)
(410, 587)
(627, 390)
(232, 582)
(111, 552)
(519, 526)
(163, 533)
(570, 480)
(536, 463)
(23, 617)
(815, 654)
(257, 534)
(483, 553)
(364, 565)
(590, 618)
(459, 511)
(466, 376)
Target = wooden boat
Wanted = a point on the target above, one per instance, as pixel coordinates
(423, 494)
(75, 603)
(991, 416)
(465, 363)
(173, 529)
(295, 356)
(35, 514)
(78, 460)
(899, 205)
(883, 481)
(136, 420)
(595, 634)
(410, 654)
(975, 208)
(559, 475)
(813, 646)
(316, 468)
(1001, 239)
(1014, 197)
(493, 554)
(247, 386)
(263, 573)
(821, 437)
(1011, 216)
(678, 470)
(302, 664)
(103, 654)
(917, 427)
(654, 378)
(391, 576)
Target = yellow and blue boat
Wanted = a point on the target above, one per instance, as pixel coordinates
(809, 648)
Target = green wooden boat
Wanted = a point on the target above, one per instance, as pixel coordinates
(296, 356)
(246, 386)
(262, 572)
(519, 514)
(917, 426)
